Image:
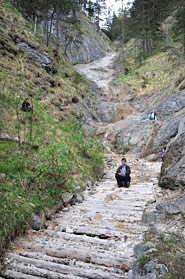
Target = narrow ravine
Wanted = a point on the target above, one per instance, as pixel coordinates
(93, 239)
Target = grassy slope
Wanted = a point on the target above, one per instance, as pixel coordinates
(33, 180)
(152, 74)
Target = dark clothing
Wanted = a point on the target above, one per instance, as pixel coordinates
(26, 106)
(128, 171)
(120, 179)
(153, 116)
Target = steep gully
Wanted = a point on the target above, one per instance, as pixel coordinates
(93, 239)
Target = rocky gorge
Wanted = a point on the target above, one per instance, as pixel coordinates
(100, 236)
(103, 232)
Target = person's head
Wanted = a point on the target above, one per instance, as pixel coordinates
(123, 161)
(27, 100)
(164, 148)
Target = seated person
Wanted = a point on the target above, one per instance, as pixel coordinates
(26, 105)
(153, 115)
(123, 175)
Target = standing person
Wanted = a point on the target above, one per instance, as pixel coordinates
(123, 174)
(163, 153)
(26, 105)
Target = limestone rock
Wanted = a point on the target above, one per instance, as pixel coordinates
(172, 208)
(173, 169)
(77, 198)
(181, 203)
(66, 198)
(42, 57)
(139, 250)
(36, 222)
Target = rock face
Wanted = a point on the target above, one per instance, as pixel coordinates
(92, 44)
(173, 169)
(88, 45)
(42, 57)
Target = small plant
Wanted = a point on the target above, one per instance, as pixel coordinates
(143, 260)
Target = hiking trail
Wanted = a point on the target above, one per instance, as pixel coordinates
(93, 239)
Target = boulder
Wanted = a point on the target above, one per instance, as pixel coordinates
(139, 250)
(36, 222)
(181, 203)
(172, 104)
(151, 218)
(173, 168)
(77, 198)
(172, 208)
(66, 198)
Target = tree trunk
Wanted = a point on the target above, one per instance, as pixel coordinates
(35, 26)
(123, 45)
(57, 28)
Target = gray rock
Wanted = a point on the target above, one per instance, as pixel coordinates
(173, 168)
(172, 208)
(77, 198)
(66, 198)
(42, 57)
(139, 250)
(149, 218)
(91, 193)
(154, 217)
(163, 269)
(36, 222)
(106, 112)
(85, 47)
(161, 207)
(150, 267)
(172, 104)
(136, 269)
(88, 119)
(181, 203)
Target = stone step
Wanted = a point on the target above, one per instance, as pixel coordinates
(39, 267)
(94, 239)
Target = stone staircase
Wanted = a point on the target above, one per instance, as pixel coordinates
(91, 240)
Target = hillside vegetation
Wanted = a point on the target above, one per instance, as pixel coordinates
(47, 152)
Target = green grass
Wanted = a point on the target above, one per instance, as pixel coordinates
(59, 156)
(35, 179)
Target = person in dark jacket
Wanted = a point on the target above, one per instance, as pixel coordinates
(26, 105)
(123, 174)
